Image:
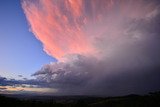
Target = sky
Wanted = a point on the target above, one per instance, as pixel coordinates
(21, 53)
(80, 47)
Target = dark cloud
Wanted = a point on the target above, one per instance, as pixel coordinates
(20, 76)
(2, 78)
(2, 88)
(13, 82)
(75, 72)
(132, 67)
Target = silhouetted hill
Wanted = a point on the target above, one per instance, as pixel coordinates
(150, 100)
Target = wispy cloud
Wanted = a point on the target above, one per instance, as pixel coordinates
(67, 27)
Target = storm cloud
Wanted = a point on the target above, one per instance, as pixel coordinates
(107, 47)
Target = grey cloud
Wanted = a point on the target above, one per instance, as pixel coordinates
(2, 88)
(73, 72)
(13, 82)
(20, 75)
(132, 67)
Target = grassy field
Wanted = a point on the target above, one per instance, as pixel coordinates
(150, 100)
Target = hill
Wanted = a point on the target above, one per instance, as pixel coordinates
(149, 100)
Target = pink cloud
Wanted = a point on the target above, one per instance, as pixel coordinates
(52, 27)
(71, 26)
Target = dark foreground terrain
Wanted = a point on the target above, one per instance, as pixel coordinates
(150, 100)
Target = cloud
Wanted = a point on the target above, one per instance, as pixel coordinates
(57, 40)
(107, 47)
(32, 86)
(75, 71)
(2, 88)
(20, 76)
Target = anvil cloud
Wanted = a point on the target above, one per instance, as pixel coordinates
(101, 45)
